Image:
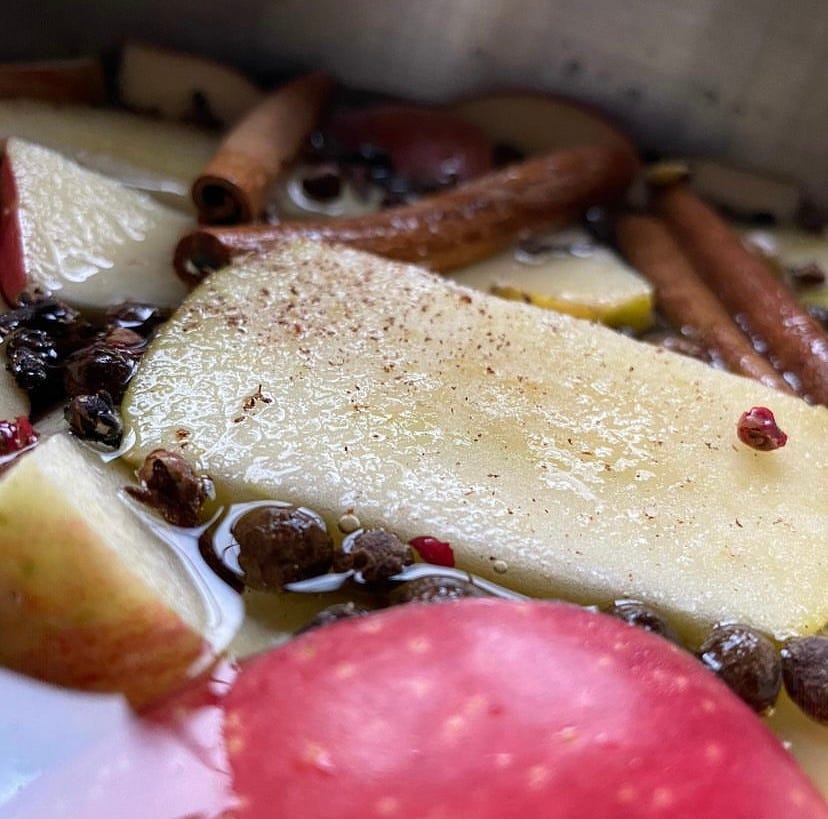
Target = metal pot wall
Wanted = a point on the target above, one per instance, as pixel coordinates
(743, 81)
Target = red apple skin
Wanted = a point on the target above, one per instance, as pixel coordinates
(476, 708)
(495, 709)
(12, 271)
(422, 142)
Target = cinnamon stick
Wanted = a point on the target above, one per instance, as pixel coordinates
(446, 230)
(749, 290)
(686, 300)
(63, 81)
(234, 185)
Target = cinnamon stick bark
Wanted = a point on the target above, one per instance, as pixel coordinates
(446, 230)
(686, 300)
(64, 81)
(234, 185)
(748, 289)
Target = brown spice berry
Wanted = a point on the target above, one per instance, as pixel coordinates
(435, 589)
(374, 553)
(281, 544)
(805, 674)
(334, 613)
(171, 486)
(747, 661)
(637, 614)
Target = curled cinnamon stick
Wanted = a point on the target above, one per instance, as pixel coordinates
(64, 81)
(234, 185)
(686, 300)
(446, 230)
(749, 290)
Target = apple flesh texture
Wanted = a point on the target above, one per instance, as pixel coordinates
(557, 457)
(162, 158)
(89, 597)
(82, 236)
(176, 85)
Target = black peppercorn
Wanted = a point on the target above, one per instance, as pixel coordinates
(99, 367)
(95, 418)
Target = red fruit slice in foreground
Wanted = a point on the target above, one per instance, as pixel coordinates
(498, 709)
(477, 708)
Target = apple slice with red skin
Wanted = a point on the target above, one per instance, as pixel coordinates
(485, 708)
(429, 146)
(83, 236)
(177, 85)
(535, 122)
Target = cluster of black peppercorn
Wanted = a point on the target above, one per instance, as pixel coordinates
(56, 355)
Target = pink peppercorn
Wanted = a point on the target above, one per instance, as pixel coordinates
(757, 429)
(432, 550)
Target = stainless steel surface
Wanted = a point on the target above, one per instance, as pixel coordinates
(738, 80)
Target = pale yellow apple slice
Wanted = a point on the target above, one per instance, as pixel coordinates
(182, 86)
(573, 275)
(793, 248)
(82, 236)
(558, 457)
(745, 192)
(90, 597)
(159, 157)
(535, 122)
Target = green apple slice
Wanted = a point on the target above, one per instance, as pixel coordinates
(558, 457)
(82, 236)
(158, 157)
(90, 596)
(572, 275)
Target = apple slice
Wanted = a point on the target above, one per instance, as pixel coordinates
(73, 232)
(534, 122)
(176, 85)
(794, 250)
(428, 145)
(80, 81)
(567, 272)
(489, 709)
(556, 456)
(745, 193)
(162, 158)
(90, 597)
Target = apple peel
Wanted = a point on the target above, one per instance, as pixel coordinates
(496, 709)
